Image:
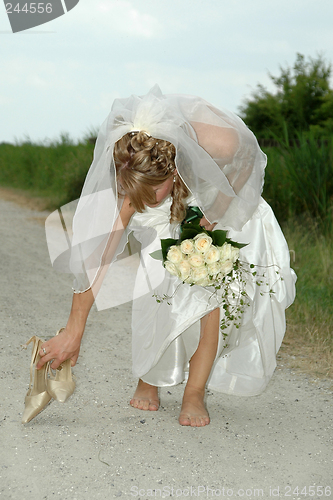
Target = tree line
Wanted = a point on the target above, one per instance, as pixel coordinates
(301, 102)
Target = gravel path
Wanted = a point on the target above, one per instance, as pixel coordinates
(97, 447)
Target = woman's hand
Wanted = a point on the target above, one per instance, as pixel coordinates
(63, 346)
(66, 345)
(206, 224)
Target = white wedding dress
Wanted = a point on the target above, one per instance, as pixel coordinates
(165, 335)
(219, 160)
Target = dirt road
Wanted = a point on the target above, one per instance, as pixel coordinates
(277, 445)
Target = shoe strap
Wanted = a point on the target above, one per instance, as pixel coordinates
(34, 353)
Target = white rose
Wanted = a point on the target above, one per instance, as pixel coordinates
(196, 260)
(226, 267)
(187, 247)
(214, 268)
(199, 273)
(212, 255)
(174, 254)
(234, 254)
(172, 268)
(205, 282)
(184, 269)
(225, 252)
(202, 242)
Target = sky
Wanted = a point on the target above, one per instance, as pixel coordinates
(62, 76)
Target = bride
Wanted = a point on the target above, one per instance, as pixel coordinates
(156, 155)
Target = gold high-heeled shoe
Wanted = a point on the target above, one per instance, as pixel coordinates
(37, 396)
(62, 385)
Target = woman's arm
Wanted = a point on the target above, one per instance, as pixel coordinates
(234, 150)
(67, 344)
(219, 142)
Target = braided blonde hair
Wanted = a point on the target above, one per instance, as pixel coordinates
(141, 162)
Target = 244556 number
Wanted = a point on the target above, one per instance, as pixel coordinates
(29, 8)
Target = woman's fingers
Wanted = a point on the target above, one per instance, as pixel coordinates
(54, 358)
(206, 224)
(74, 359)
(43, 360)
(58, 349)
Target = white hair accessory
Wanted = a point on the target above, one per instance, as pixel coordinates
(136, 131)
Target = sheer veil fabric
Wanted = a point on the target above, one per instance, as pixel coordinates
(219, 160)
(225, 173)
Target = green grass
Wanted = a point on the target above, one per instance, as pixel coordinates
(299, 180)
(299, 187)
(310, 319)
(55, 171)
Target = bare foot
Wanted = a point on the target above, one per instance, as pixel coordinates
(145, 397)
(193, 410)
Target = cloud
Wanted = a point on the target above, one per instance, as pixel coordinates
(124, 18)
(67, 79)
(32, 74)
(222, 87)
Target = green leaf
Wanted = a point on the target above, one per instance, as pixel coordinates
(166, 244)
(192, 225)
(189, 233)
(235, 243)
(158, 255)
(238, 245)
(219, 237)
(193, 215)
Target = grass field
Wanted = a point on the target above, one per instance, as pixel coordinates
(309, 335)
(54, 172)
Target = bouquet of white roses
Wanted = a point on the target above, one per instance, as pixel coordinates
(199, 257)
(210, 259)
(198, 261)
(206, 258)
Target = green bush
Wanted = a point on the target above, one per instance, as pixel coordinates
(299, 179)
(302, 97)
(55, 171)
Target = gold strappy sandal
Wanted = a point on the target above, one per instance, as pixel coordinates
(37, 396)
(61, 385)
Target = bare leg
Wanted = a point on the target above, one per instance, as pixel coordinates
(145, 397)
(193, 410)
